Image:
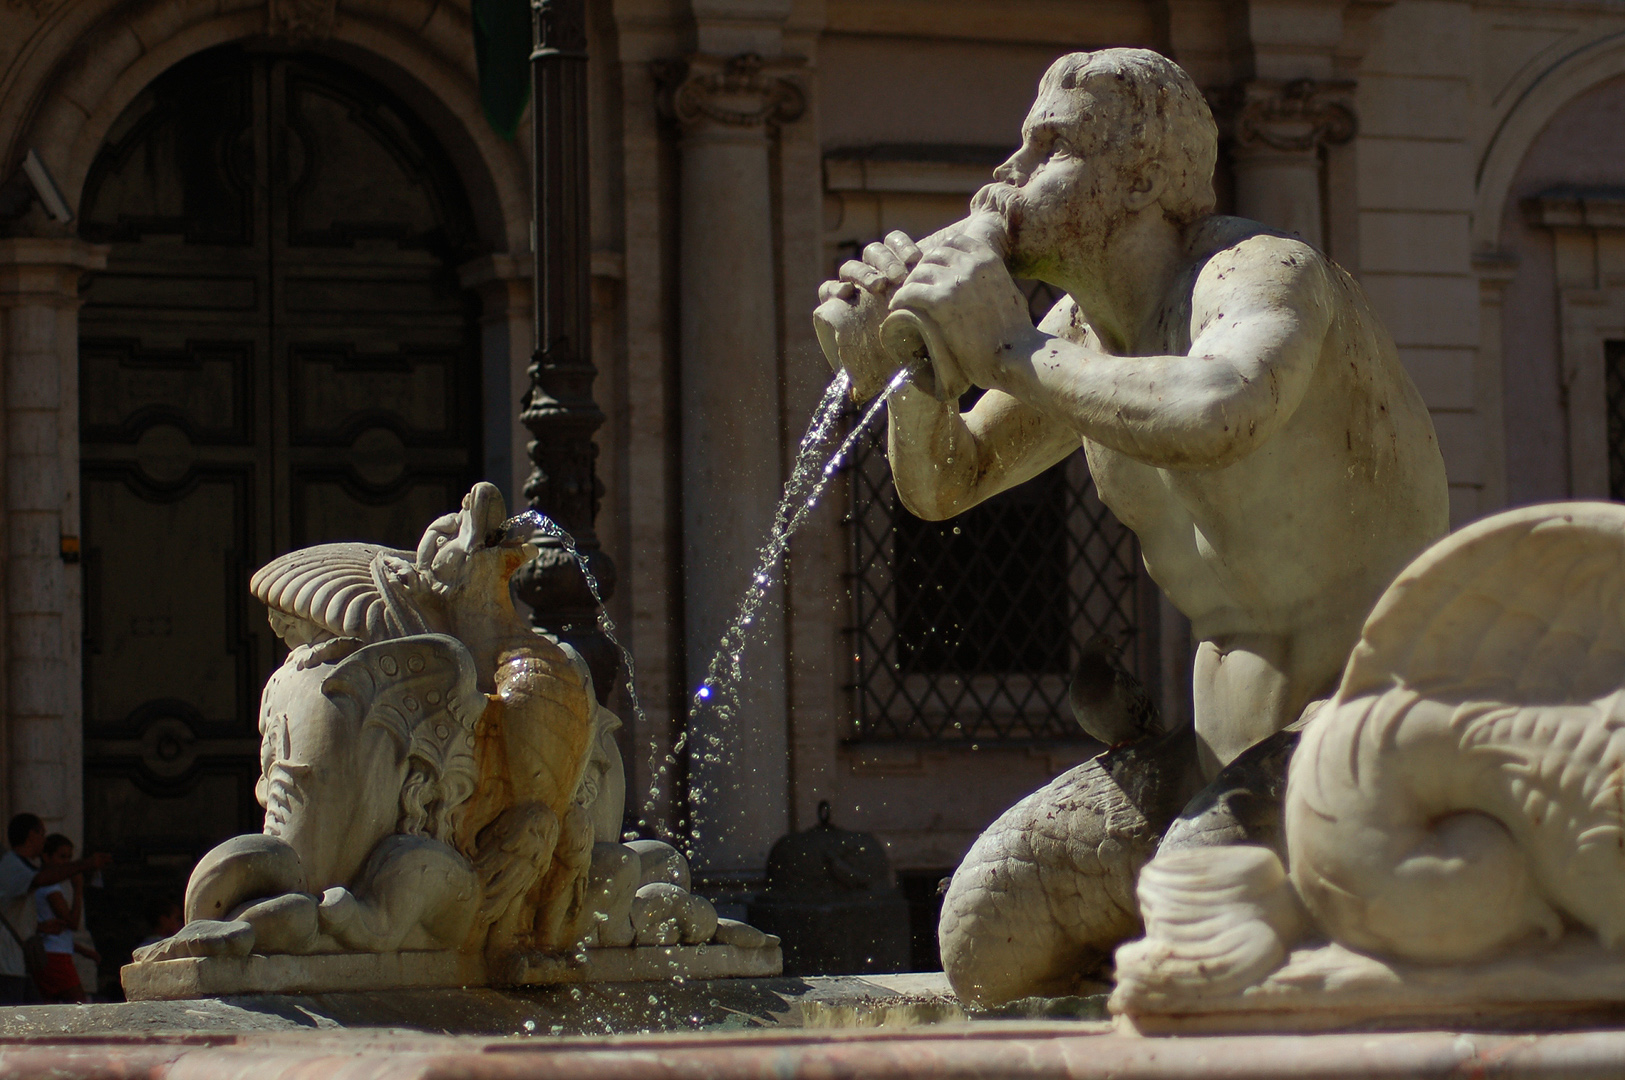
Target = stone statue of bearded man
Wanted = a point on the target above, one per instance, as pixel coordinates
(1241, 407)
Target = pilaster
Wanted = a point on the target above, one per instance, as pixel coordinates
(730, 400)
(40, 590)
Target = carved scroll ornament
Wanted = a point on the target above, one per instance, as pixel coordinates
(741, 91)
(1300, 115)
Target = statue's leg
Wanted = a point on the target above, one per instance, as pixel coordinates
(511, 855)
(611, 884)
(249, 874)
(562, 915)
(1247, 687)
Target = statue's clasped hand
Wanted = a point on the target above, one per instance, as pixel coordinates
(963, 292)
(854, 305)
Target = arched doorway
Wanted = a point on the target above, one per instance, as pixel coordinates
(278, 354)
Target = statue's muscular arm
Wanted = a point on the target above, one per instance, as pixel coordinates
(1261, 312)
(944, 462)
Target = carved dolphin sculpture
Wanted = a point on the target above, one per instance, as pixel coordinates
(1463, 791)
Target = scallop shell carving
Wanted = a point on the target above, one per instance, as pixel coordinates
(345, 589)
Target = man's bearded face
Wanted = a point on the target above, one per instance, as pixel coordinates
(1060, 200)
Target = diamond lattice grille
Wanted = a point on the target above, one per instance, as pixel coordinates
(968, 629)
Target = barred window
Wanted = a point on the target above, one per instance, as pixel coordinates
(1614, 381)
(967, 630)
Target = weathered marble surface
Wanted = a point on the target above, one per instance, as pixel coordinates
(1454, 816)
(1242, 409)
(201, 977)
(442, 796)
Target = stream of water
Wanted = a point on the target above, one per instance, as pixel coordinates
(544, 524)
(718, 694)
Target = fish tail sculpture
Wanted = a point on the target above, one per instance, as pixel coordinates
(1465, 788)
(1047, 891)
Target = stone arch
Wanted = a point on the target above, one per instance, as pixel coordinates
(1546, 95)
(86, 67)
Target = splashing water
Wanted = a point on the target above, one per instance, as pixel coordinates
(546, 525)
(719, 692)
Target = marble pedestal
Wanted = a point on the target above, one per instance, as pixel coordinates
(1328, 988)
(197, 977)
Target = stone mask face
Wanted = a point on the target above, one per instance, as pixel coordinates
(330, 782)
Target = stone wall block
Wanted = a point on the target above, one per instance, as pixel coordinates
(1461, 441)
(32, 433)
(34, 636)
(1412, 107)
(1421, 309)
(34, 533)
(1397, 174)
(1421, 37)
(36, 690)
(37, 740)
(31, 332)
(34, 483)
(41, 788)
(1445, 377)
(1438, 243)
(98, 67)
(34, 585)
(152, 24)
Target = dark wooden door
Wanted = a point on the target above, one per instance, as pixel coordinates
(277, 355)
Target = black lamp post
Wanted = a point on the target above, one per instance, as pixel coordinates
(559, 409)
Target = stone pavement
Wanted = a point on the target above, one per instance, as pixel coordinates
(1019, 1049)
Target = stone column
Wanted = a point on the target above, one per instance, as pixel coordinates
(1495, 271)
(731, 444)
(506, 338)
(39, 356)
(1277, 131)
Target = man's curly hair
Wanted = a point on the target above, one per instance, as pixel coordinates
(1141, 107)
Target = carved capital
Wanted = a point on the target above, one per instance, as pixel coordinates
(560, 28)
(1302, 115)
(740, 91)
(302, 20)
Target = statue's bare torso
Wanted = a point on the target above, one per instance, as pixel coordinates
(1262, 441)
(1328, 509)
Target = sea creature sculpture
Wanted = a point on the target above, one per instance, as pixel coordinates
(421, 752)
(1462, 794)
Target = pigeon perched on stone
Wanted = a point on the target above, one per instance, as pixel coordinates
(1109, 703)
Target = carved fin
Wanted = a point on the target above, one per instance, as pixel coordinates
(1217, 919)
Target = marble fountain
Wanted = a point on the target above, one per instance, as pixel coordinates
(1391, 844)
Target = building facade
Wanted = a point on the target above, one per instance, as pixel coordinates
(285, 299)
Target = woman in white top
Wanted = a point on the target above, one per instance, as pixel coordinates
(60, 979)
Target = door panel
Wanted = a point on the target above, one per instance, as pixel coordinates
(278, 354)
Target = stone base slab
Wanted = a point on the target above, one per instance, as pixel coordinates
(219, 976)
(594, 1008)
(1574, 984)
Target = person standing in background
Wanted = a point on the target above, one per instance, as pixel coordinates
(60, 981)
(19, 876)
